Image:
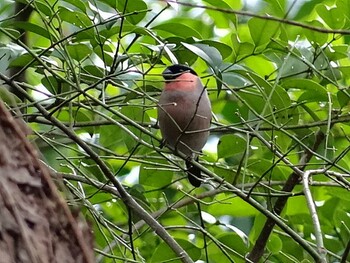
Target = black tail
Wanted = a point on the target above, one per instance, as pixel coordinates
(193, 173)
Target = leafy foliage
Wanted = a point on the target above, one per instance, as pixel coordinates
(278, 79)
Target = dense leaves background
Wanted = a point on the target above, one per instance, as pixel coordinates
(86, 77)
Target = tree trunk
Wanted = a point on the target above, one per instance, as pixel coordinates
(35, 223)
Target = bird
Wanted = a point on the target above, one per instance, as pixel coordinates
(184, 115)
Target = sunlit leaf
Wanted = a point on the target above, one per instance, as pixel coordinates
(262, 31)
(207, 53)
(334, 17)
(179, 31)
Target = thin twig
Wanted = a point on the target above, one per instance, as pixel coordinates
(265, 17)
(312, 208)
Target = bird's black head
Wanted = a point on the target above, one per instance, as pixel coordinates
(173, 71)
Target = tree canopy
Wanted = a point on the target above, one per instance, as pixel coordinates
(86, 77)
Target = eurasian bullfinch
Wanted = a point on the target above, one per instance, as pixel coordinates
(184, 115)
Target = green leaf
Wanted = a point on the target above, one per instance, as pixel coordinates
(241, 49)
(329, 211)
(77, 3)
(277, 7)
(177, 30)
(344, 6)
(183, 55)
(313, 90)
(15, 33)
(55, 86)
(79, 115)
(111, 137)
(136, 113)
(104, 53)
(225, 50)
(135, 10)
(228, 174)
(343, 98)
(236, 252)
(274, 244)
(233, 206)
(209, 54)
(36, 29)
(22, 61)
(43, 8)
(345, 70)
(137, 191)
(78, 51)
(235, 242)
(218, 80)
(334, 17)
(309, 96)
(262, 30)
(297, 206)
(163, 253)
(51, 84)
(221, 19)
(8, 97)
(94, 72)
(76, 18)
(155, 176)
(266, 167)
(230, 145)
(111, 3)
(260, 65)
(336, 52)
(306, 9)
(93, 170)
(272, 101)
(341, 193)
(113, 30)
(314, 36)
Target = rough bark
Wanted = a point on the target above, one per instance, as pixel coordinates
(36, 225)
